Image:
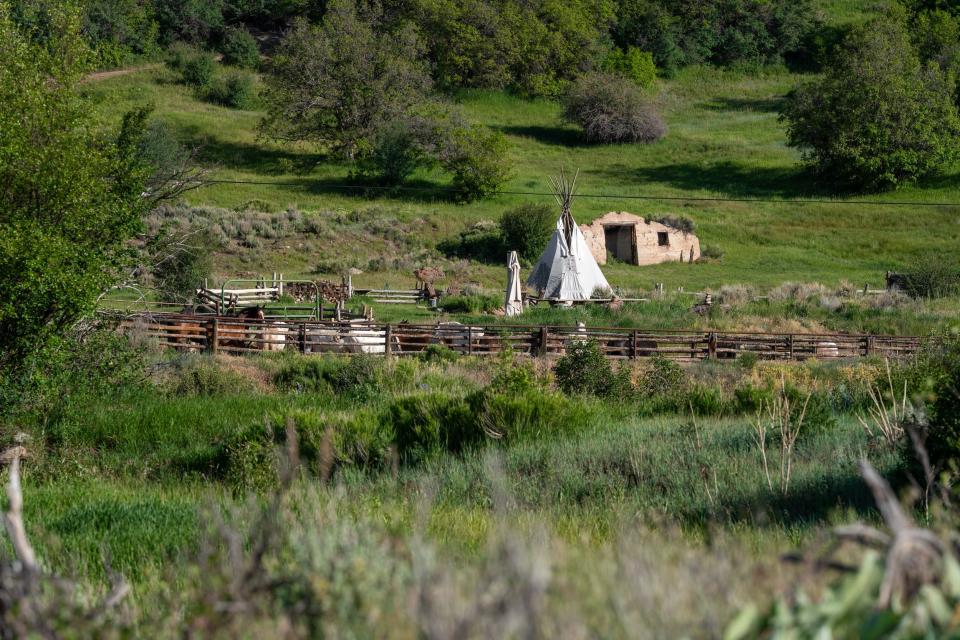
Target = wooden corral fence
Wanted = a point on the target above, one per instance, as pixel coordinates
(221, 334)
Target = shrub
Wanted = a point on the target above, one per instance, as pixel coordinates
(585, 369)
(428, 423)
(932, 276)
(480, 241)
(664, 377)
(680, 223)
(476, 156)
(234, 90)
(711, 252)
(513, 375)
(527, 229)
(938, 371)
(201, 377)
(532, 413)
(471, 304)
(610, 110)
(356, 375)
(438, 353)
(890, 119)
(392, 155)
(196, 68)
(632, 63)
(240, 48)
(181, 264)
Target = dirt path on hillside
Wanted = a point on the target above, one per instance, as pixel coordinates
(106, 75)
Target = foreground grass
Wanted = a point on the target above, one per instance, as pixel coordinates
(135, 477)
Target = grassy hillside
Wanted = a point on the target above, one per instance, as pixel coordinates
(724, 141)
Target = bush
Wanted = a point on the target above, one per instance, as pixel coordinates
(585, 369)
(235, 90)
(632, 63)
(476, 156)
(471, 304)
(711, 252)
(610, 110)
(938, 371)
(356, 375)
(527, 229)
(181, 267)
(393, 154)
(533, 414)
(239, 48)
(480, 241)
(890, 121)
(425, 424)
(201, 377)
(196, 68)
(664, 377)
(932, 276)
(438, 353)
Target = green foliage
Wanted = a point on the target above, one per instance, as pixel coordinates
(199, 377)
(235, 90)
(337, 83)
(610, 110)
(514, 375)
(240, 48)
(848, 609)
(531, 48)
(878, 118)
(392, 155)
(932, 276)
(198, 69)
(426, 424)
(470, 304)
(438, 353)
(527, 229)
(357, 375)
(721, 31)
(192, 21)
(181, 264)
(662, 378)
(69, 197)
(476, 156)
(632, 63)
(584, 369)
(938, 374)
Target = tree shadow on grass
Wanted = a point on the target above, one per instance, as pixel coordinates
(726, 178)
(759, 105)
(255, 158)
(807, 502)
(560, 136)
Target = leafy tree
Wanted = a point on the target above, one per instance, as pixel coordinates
(527, 229)
(177, 270)
(69, 199)
(634, 64)
(611, 109)
(877, 119)
(337, 83)
(191, 21)
(475, 156)
(240, 48)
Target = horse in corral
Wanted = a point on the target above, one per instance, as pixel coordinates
(245, 337)
(184, 333)
(274, 336)
(355, 336)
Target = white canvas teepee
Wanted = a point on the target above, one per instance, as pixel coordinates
(566, 269)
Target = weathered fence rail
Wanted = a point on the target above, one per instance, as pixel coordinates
(223, 334)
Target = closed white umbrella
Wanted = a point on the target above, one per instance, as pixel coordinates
(513, 306)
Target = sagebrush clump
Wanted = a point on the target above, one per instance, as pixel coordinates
(611, 110)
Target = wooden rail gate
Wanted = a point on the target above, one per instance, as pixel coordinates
(236, 335)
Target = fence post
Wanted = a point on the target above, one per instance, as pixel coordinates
(790, 345)
(867, 345)
(633, 345)
(388, 340)
(542, 346)
(302, 339)
(712, 345)
(213, 334)
(469, 340)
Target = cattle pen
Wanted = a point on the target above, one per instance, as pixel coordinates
(222, 334)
